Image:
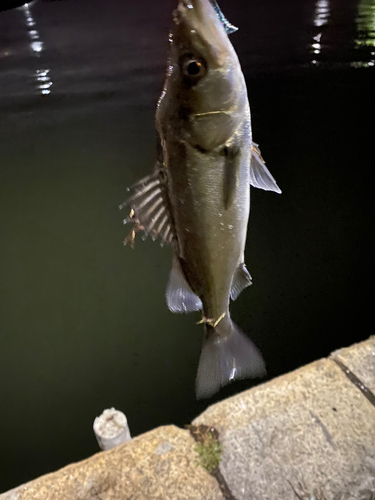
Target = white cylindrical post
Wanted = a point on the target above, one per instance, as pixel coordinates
(111, 429)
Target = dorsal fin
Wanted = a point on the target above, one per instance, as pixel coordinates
(149, 208)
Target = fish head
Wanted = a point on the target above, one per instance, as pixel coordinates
(204, 98)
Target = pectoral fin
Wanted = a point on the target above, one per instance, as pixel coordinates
(241, 280)
(149, 208)
(260, 176)
(179, 295)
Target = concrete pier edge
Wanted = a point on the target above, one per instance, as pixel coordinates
(308, 433)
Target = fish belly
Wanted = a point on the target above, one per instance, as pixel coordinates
(211, 236)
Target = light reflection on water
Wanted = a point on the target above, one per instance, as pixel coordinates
(44, 81)
(41, 76)
(327, 46)
(365, 40)
(329, 34)
(322, 12)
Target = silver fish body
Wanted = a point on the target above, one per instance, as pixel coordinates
(198, 197)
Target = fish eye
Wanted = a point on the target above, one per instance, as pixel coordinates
(193, 68)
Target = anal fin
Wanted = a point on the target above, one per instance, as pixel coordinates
(260, 176)
(241, 280)
(179, 295)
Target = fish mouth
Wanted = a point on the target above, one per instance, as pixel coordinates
(196, 12)
(198, 22)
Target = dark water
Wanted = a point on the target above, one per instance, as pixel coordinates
(83, 323)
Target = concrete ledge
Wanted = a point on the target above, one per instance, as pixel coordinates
(160, 464)
(311, 427)
(312, 430)
(360, 360)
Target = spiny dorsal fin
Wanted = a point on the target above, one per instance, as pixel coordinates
(149, 208)
(260, 176)
(179, 295)
(241, 280)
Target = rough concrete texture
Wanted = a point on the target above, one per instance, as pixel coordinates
(360, 359)
(159, 465)
(312, 426)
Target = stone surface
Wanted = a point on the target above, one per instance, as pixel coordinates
(311, 426)
(159, 465)
(360, 359)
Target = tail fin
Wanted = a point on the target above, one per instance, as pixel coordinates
(227, 354)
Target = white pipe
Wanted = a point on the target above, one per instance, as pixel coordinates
(111, 429)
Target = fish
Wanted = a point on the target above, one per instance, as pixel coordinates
(197, 198)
